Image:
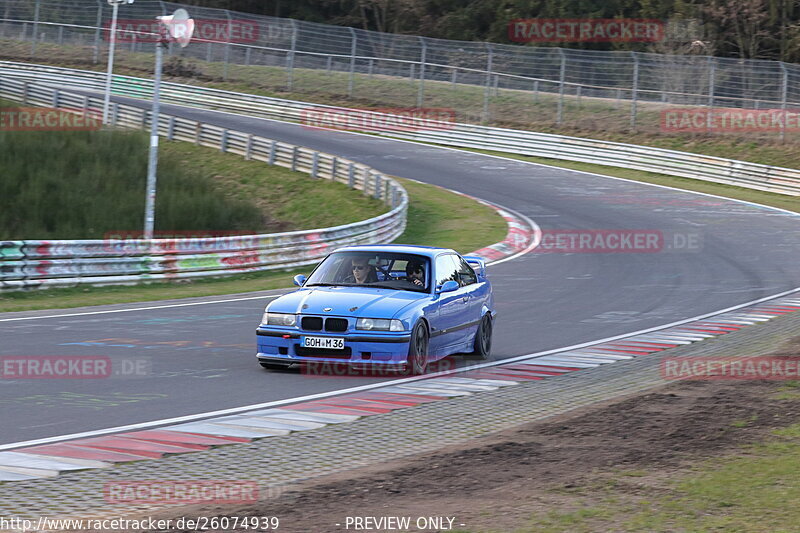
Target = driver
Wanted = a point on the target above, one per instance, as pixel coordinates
(361, 271)
(415, 273)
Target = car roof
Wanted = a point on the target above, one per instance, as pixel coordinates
(428, 251)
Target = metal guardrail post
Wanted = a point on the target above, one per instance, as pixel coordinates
(784, 94)
(315, 165)
(227, 46)
(294, 158)
(198, 133)
(423, 57)
(377, 192)
(536, 92)
(273, 148)
(248, 151)
(223, 142)
(114, 114)
(351, 176)
(25, 88)
(334, 167)
(366, 181)
(290, 58)
(36, 9)
(54, 101)
(712, 74)
(487, 89)
(634, 90)
(561, 80)
(97, 34)
(353, 44)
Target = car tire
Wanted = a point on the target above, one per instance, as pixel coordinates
(417, 361)
(482, 347)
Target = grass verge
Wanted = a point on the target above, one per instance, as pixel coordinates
(754, 490)
(436, 217)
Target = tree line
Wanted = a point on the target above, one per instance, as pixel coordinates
(751, 29)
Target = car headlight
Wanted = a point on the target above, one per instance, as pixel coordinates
(379, 324)
(278, 319)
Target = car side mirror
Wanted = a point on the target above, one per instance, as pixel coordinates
(449, 286)
(299, 280)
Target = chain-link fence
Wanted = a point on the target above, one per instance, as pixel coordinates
(510, 85)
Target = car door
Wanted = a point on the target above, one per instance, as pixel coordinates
(443, 326)
(474, 296)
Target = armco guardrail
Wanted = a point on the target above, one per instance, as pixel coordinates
(673, 163)
(33, 264)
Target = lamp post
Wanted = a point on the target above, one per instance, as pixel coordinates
(176, 27)
(112, 40)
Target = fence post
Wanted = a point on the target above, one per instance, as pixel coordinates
(423, 58)
(334, 168)
(328, 65)
(35, 26)
(453, 76)
(247, 52)
(712, 74)
(377, 192)
(784, 94)
(171, 129)
(273, 148)
(366, 181)
(290, 57)
(351, 175)
(315, 165)
(114, 114)
(227, 46)
(634, 90)
(223, 142)
(488, 88)
(25, 93)
(352, 62)
(54, 102)
(536, 92)
(248, 151)
(294, 158)
(97, 34)
(561, 79)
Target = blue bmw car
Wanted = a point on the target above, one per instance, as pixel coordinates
(393, 306)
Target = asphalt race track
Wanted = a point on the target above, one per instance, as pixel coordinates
(716, 253)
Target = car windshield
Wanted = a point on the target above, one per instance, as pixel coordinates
(386, 270)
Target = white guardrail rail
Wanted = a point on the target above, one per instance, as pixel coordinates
(673, 163)
(57, 263)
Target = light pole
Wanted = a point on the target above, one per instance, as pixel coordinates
(176, 27)
(112, 40)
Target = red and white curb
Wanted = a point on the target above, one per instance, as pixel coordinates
(48, 460)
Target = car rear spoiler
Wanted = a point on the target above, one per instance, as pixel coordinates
(478, 264)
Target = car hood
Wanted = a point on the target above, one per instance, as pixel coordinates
(346, 301)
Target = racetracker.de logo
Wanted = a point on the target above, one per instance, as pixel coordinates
(385, 119)
(238, 31)
(587, 30)
(49, 119)
(177, 492)
(730, 368)
(55, 367)
(729, 120)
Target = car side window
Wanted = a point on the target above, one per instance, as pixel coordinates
(465, 273)
(446, 270)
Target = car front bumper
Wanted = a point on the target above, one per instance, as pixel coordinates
(283, 346)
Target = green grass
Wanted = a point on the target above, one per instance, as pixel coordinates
(432, 220)
(96, 183)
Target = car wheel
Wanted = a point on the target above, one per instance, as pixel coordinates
(418, 350)
(483, 338)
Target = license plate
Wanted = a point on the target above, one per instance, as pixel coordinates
(330, 343)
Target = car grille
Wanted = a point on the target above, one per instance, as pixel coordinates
(336, 324)
(323, 352)
(314, 323)
(311, 323)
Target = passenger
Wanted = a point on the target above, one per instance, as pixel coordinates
(361, 271)
(415, 273)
